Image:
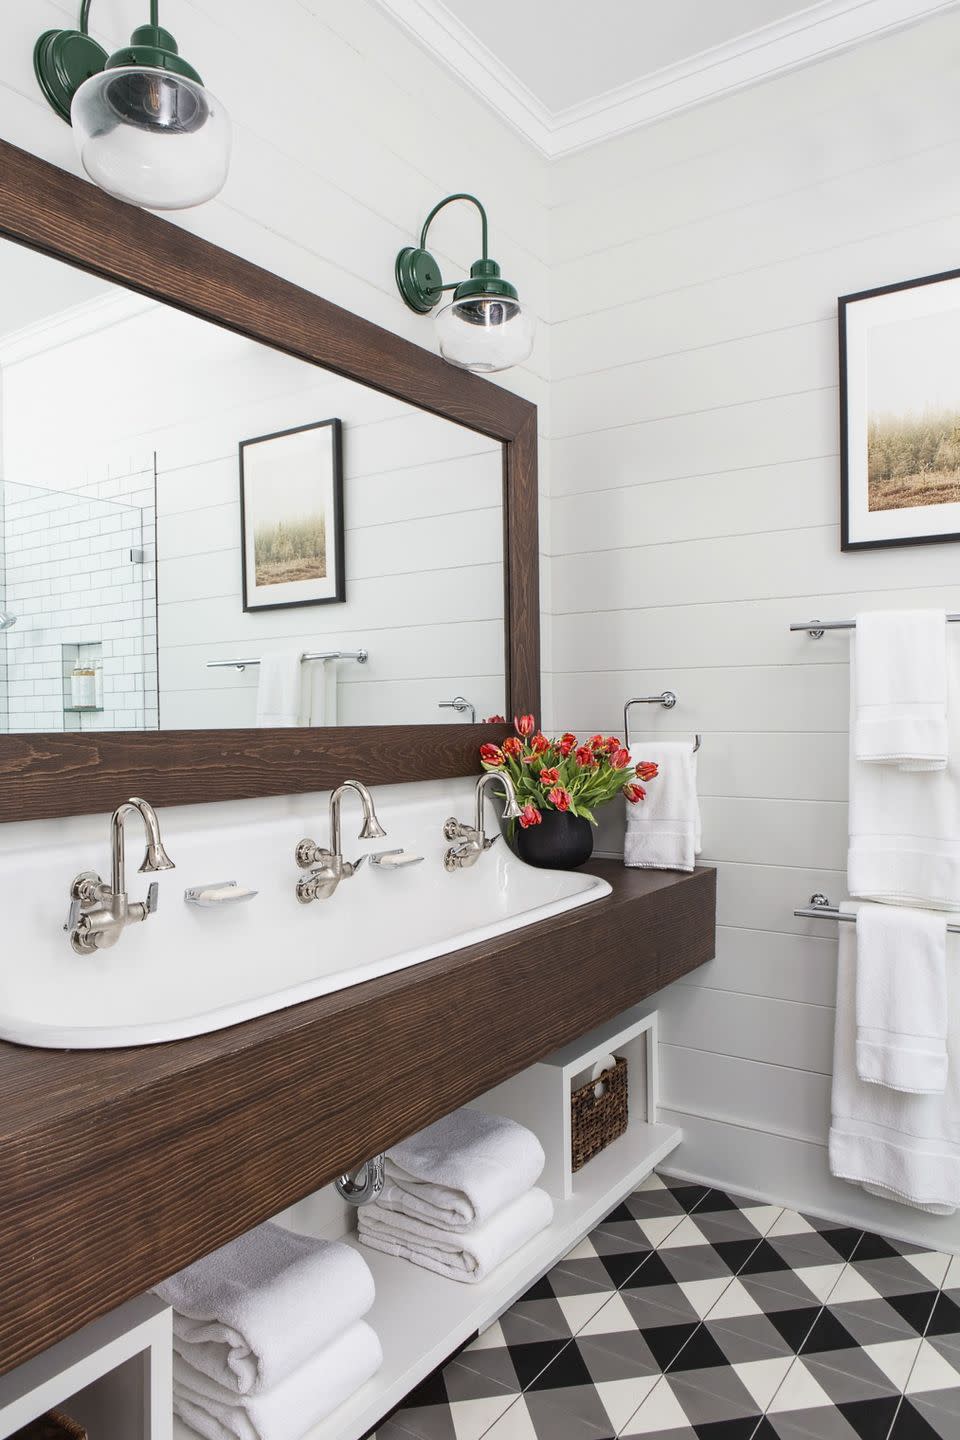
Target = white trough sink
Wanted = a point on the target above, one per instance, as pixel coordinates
(187, 971)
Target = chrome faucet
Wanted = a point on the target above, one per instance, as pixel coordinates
(328, 867)
(99, 913)
(473, 838)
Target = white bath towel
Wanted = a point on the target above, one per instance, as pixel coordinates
(289, 1409)
(900, 1147)
(904, 825)
(252, 1312)
(902, 998)
(901, 660)
(664, 831)
(469, 1255)
(461, 1170)
(280, 691)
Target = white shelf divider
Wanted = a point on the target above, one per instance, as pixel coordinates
(422, 1318)
(113, 1376)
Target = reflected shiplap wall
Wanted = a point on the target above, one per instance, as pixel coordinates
(695, 514)
(422, 503)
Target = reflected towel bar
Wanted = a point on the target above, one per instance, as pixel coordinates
(821, 909)
(667, 699)
(361, 657)
(815, 628)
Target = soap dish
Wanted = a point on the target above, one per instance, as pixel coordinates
(220, 892)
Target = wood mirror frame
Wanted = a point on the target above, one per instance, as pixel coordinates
(49, 775)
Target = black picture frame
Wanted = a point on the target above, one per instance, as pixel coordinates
(335, 523)
(852, 511)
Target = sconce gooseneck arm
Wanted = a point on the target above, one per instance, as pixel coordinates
(85, 15)
(449, 201)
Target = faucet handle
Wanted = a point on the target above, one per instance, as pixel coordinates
(73, 916)
(454, 829)
(352, 866)
(153, 898)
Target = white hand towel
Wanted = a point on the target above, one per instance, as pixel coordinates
(467, 1255)
(320, 687)
(905, 826)
(901, 1147)
(289, 1409)
(902, 998)
(461, 1170)
(901, 718)
(253, 1311)
(663, 831)
(280, 697)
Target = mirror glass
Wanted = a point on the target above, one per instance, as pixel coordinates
(187, 517)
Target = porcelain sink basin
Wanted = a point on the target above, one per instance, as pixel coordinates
(187, 971)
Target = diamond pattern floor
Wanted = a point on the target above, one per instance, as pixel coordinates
(691, 1314)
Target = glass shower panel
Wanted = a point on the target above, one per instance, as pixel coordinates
(78, 643)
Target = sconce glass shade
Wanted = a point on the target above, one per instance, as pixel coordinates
(485, 332)
(151, 137)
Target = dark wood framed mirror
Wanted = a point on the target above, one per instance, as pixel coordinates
(53, 772)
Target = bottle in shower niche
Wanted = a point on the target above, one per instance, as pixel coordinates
(83, 687)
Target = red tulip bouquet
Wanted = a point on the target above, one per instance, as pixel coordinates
(564, 775)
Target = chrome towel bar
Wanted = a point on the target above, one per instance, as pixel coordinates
(667, 699)
(816, 628)
(821, 909)
(361, 657)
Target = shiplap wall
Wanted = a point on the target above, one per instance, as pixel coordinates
(695, 510)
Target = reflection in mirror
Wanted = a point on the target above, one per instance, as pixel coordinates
(182, 528)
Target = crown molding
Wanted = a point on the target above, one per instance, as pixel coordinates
(88, 318)
(812, 34)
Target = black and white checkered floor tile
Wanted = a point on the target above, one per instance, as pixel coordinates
(690, 1314)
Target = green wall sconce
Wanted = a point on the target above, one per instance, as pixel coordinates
(146, 129)
(484, 327)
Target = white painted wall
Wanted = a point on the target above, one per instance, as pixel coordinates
(695, 514)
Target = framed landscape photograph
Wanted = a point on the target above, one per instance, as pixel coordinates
(291, 517)
(900, 414)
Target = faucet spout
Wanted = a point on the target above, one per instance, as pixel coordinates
(371, 829)
(511, 810)
(155, 857)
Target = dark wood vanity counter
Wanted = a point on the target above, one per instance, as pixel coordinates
(117, 1167)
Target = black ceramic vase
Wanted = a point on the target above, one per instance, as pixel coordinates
(560, 842)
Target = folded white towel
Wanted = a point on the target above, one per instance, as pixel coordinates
(255, 1310)
(289, 1409)
(901, 718)
(461, 1170)
(902, 998)
(905, 826)
(320, 692)
(901, 1147)
(467, 1255)
(664, 831)
(280, 690)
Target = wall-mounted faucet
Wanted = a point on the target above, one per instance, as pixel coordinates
(328, 867)
(474, 839)
(461, 704)
(99, 913)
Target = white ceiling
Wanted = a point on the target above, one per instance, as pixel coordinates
(567, 73)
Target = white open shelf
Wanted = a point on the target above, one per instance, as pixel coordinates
(421, 1318)
(113, 1377)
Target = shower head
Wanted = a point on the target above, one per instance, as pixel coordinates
(7, 620)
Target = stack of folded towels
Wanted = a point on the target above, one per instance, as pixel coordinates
(460, 1197)
(268, 1335)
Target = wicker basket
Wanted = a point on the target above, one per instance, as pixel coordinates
(597, 1120)
(54, 1426)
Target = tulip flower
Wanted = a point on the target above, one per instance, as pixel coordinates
(559, 798)
(566, 743)
(495, 720)
(512, 747)
(549, 777)
(529, 815)
(539, 743)
(524, 725)
(634, 793)
(586, 758)
(612, 744)
(491, 754)
(647, 770)
(596, 742)
(620, 758)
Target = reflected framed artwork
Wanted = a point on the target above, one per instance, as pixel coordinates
(291, 517)
(900, 414)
